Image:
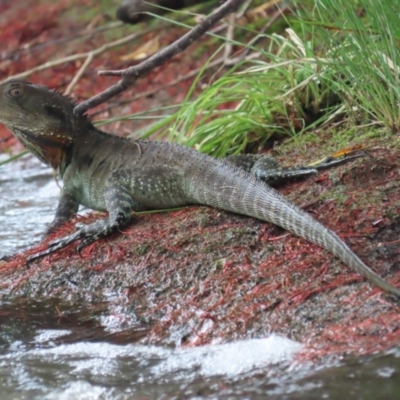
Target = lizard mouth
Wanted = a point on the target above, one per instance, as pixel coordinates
(49, 149)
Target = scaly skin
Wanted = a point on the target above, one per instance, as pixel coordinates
(118, 175)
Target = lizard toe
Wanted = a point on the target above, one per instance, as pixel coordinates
(85, 242)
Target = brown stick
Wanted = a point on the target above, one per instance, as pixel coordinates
(131, 74)
(78, 56)
(219, 61)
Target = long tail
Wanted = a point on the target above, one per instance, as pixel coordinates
(234, 190)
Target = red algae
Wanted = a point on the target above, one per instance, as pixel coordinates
(201, 275)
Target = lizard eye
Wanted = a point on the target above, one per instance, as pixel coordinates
(15, 92)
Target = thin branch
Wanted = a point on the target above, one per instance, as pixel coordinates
(191, 74)
(78, 56)
(244, 55)
(79, 74)
(256, 39)
(151, 92)
(229, 36)
(39, 46)
(93, 53)
(243, 10)
(130, 75)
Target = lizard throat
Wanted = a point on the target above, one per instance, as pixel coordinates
(51, 150)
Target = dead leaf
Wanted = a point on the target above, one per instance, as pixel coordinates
(143, 51)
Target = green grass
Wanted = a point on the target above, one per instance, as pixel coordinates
(283, 92)
(341, 65)
(361, 44)
(13, 158)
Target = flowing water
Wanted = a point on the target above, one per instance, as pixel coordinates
(43, 357)
(28, 196)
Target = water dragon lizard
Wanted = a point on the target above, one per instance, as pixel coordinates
(122, 176)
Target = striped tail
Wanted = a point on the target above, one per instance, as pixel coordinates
(234, 190)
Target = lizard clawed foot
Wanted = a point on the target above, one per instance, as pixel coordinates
(54, 246)
(85, 242)
(87, 233)
(335, 159)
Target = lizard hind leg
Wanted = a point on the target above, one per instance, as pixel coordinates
(279, 174)
(265, 167)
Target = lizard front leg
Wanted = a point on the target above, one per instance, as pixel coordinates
(66, 209)
(119, 204)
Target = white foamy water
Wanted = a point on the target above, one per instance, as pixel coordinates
(102, 370)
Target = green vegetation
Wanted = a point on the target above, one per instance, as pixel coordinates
(362, 48)
(14, 157)
(338, 63)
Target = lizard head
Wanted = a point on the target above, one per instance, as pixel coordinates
(41, 118)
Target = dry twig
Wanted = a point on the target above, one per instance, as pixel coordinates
(88, 54)
(79, 74)
(32, 48)
(217, 62)
(131, 74)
